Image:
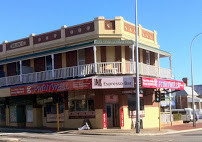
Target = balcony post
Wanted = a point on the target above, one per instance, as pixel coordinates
(170, 59)
(158, 66)
(95, 58)
(133, 57)
(21, 71)
(53, 66)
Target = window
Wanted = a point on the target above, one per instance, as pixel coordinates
(18, 68)
(147, 57)
(81, 105)
(81, 57)
(132, 103)
(48, 62)
(51, 112)
(80, 102)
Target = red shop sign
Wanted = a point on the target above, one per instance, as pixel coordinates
(51, 87)
(122, 116)
(104, 119)
(162, 83)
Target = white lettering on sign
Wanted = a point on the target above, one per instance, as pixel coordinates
(18, 44)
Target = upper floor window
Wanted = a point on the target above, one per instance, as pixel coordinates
(48, 62)
(81, 57)
(148, 57)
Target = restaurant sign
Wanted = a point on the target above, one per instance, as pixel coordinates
(162, 83)
(116, 82)
(51, 87)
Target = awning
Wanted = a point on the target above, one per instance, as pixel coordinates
(131, 42)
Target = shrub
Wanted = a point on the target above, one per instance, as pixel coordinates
(177, 116)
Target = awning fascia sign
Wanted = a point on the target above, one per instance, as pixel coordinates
(162, 83)
(113, 42)
(49, 87)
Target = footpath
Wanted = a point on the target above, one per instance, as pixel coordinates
(164, 130)
(186, 127)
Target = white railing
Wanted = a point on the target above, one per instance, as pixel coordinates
(109, 68)
(3, 81)
(84, 70)
(148, 70)
(64, 73)
(29, 78)
(165, 73)
(88, 69)
(12, 80)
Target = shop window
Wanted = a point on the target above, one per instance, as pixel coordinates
(80, 102)
(132, 103)
(29, 113)
(81, 105)
(51, 112)
(13, 114)
(2, 113)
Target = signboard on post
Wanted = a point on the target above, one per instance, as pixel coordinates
(122, 116)
(104, 119)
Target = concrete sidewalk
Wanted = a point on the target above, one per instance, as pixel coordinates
(165, 130)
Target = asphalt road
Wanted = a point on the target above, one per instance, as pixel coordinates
(195, 136)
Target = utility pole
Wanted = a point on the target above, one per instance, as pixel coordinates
(137, 74)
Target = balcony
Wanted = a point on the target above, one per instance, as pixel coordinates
(105, 68)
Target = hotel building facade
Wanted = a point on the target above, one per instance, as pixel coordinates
(87, 68)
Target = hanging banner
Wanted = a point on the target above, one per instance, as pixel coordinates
(122, 116)
(51, 87)
(162, 83)
(104, 119)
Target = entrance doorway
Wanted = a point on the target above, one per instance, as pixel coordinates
(112, 115)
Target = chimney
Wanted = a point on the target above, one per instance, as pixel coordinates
(185, 80)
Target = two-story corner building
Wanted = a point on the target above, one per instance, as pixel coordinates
(90, 69)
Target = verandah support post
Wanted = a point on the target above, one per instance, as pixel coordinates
(95, 60)
(53, 66)
(21, 71)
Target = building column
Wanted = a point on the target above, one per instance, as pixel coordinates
(95, 58)
(123, 59)
(170, 59)
(7, 116)
(21, 71)
(53, 66)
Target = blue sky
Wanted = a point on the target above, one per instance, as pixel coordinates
(176, 23)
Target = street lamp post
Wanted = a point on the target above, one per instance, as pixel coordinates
(137, 74)
(192, 80)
